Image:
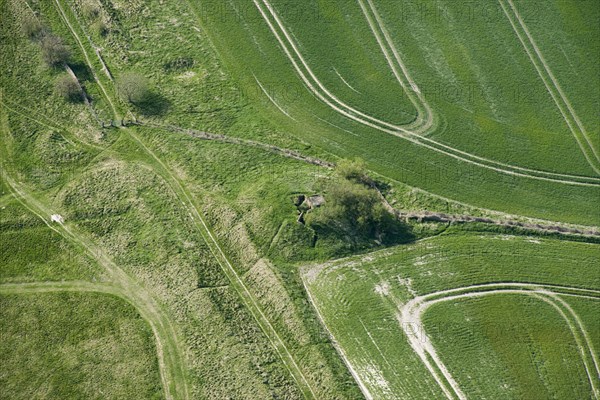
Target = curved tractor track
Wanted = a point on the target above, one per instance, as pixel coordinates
(414, 135)
(410, 318)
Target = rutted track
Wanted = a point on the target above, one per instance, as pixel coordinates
(410, 314)
(560, 99)
(425, 117)
(322, 93)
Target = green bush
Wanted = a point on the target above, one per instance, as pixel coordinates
(355, 214)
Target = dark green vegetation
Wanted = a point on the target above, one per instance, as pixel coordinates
(196, 234)
(529, 357)
(354, 215)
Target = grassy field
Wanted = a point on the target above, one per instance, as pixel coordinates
(30, 251)
(72, 345)
(195, 244)
(360, 301)
(566, 35)
(241, 33)
(498, 350)
(128, 211)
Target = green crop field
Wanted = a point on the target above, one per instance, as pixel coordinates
(498, 350)
(495, 308)
(282, 199)
(470, 108)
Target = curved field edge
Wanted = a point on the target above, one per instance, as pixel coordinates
(75, 341)
(359, 298)
(514, 345)
(170, 356)
(415, 166)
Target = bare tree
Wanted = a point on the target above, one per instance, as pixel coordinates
(54, 51)
(133, 88)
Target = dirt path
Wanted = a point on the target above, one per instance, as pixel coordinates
(170, 357)
(316, 87)
(580, 335)
(308, 70)
(43, 120)
(573, 122)
(410, 318)
(272, 100)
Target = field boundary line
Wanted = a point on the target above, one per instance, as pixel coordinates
(363, 388)
(409, 135)
(592, 159)
(409, 317)
(510, 220)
